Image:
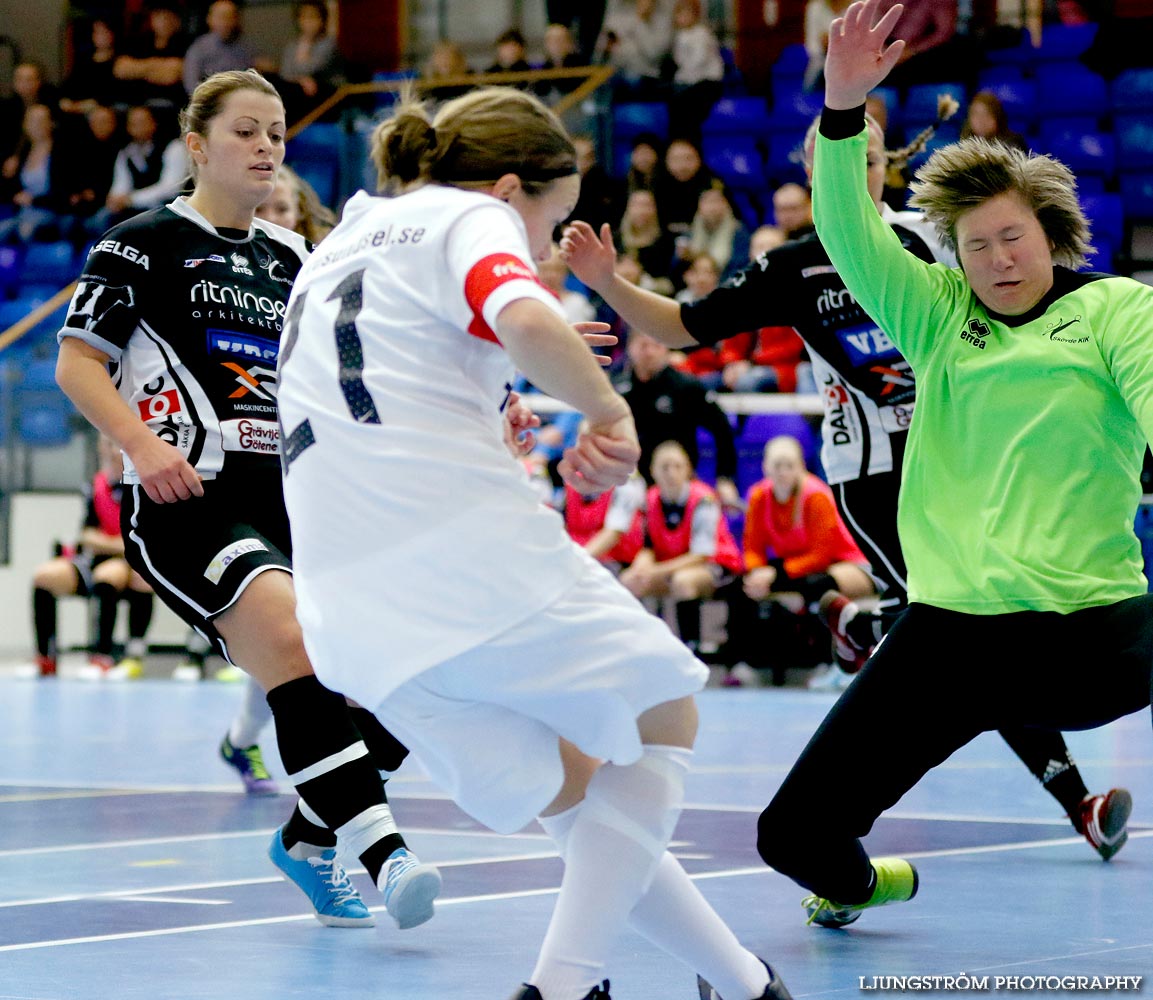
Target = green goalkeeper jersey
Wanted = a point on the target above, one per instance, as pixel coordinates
(1022, 474)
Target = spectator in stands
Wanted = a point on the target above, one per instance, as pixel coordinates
(796, 548)
(553, 272)
(29, 87)
(636, 40)
(38, 175)
(446, 59)
(511, 55)
(819, 14)
(95, 568)
(611, 525)
(701, 276)
(642, 235)
(645, 160)
(295, 205)
(689, 551)
(310, 65)
(934, 50)
(772, 358)
(222, 47)
(793, 210)
(96, 148)
(149, 171)
(668, 405)
(560, 52)
(93, 80)
(679, 184)
(986, 119)
(705, 363)
(698, 68)
(153, 66)
(583, 18)
(601, 195)
(717, 231)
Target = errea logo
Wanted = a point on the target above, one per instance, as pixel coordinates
(975, 333)
(240, 265)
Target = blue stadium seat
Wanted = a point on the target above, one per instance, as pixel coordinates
(736, 159)
(386, 99)
(1085, 153)
(43, 413)
(733, 82)
(793, 109)
(1053, 126)
(920, 104)
(1064, 42)
(319, 138)
(10, 267)
(322, 173)
(1102, 257)
(633, 119)
(706, 457)
(49, 264)
(785, 161)
(1068, 88)
(1132, 90)
(789, 67)
(1134, 140)
(737, 116)
(892, 98)
(1137, 194)
(759, 429)
(1106, 217)
(1018, 98)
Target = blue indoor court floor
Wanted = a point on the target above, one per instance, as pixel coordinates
(132, 865)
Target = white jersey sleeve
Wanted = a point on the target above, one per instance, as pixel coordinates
(485, 255)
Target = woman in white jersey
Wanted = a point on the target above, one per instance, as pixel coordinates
(404, 334)
(188, 301)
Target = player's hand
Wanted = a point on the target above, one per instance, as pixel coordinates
(519, 424)
(858, 58)
(592, 260)
(759, 582)
(603, 457)
(164, 472)
(595, 335)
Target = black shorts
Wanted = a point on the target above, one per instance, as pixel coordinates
(200, 554)
(84, 565)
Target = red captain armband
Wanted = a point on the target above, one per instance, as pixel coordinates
(484, 278)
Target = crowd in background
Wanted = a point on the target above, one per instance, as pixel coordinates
(82, 154)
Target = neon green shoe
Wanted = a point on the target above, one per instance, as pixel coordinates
(897, 882)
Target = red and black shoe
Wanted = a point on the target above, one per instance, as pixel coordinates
(1103, 819)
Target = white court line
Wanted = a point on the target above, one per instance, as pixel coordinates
(519, 894)
(137, 892)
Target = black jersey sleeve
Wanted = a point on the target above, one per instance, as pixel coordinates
(105, 306)
(762, 294)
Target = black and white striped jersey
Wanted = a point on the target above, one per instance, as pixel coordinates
(191, 318)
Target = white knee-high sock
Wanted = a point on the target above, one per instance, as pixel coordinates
(675, 917)
(613, 848)
(254, 715)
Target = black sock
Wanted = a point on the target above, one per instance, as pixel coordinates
(1047, 756)
(106, 597)
(139, 612)
(812, 587)
(313, 725)
(386, 750)
(689, 623)
(299, 830)
(44, 621)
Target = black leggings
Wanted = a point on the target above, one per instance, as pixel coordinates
(939, 679)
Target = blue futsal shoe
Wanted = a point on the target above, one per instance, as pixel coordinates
(325, 882)
(409, 887)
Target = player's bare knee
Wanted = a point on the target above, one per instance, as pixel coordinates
(672, 723)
